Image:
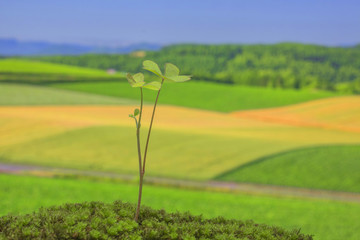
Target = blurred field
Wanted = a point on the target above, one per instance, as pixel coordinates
(336, 113)
(186, 143)
(16, 70)
(331, 220)
(313, 144)
(329, 167)
(20, 94)
(27, 66)
(204, 95)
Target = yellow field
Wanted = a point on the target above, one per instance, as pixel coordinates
(186, 143)
(341, 113)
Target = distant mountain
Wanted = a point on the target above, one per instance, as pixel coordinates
(13, 47)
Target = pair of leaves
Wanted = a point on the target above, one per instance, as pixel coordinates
(171, 74)
(171, 71)
(137, 80)
(136, 112)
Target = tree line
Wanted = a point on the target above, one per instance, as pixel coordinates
(284, 65)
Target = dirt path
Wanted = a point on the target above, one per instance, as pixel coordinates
(203, 185)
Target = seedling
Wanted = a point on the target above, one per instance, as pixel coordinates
(171, 74)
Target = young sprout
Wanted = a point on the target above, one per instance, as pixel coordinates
(171, 74)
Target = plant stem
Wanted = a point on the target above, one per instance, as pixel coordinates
(138, 125)
(152, 119)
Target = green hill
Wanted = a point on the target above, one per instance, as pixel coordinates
(204, 95)
(326, 167)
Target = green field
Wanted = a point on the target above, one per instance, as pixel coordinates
(193, 154)
(20, 94)
(326, 167)
(27, 66)
(325, 219)
(16, 70)
(203, 95)
(195, 94)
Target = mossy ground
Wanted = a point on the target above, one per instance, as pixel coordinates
(97, 220)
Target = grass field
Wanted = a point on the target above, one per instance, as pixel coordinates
(325, 219)
(186, 143)
(20, 94)
(26, 71)
(27, 66)
(329, 167)
(194, 94)
(203, 95)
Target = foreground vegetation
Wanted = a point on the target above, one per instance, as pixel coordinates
(96, 220)
(330, 220)
(326, 167)
(203, 95)
(285, 65)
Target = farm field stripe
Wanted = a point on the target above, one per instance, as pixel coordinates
(217, 186)
(205, 95)
(13, 65)
(24, 95)
(169, 116)
(346, 115)
(341, 113)
(210, 143)
(107, 148)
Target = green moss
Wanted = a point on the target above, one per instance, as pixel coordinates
(97, 220)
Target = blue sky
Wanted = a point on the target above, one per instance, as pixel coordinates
(110, 22)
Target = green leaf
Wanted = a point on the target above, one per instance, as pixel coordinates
(153, 86)
(130, 79)
(152, 67)
(180, 78)
(136, 80)
(138, 77)
(138, 84)
(171, 70)
(136, 112)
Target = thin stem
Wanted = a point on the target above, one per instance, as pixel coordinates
(138, 125)
(141, 107)
(152, 119)
(136, 218)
